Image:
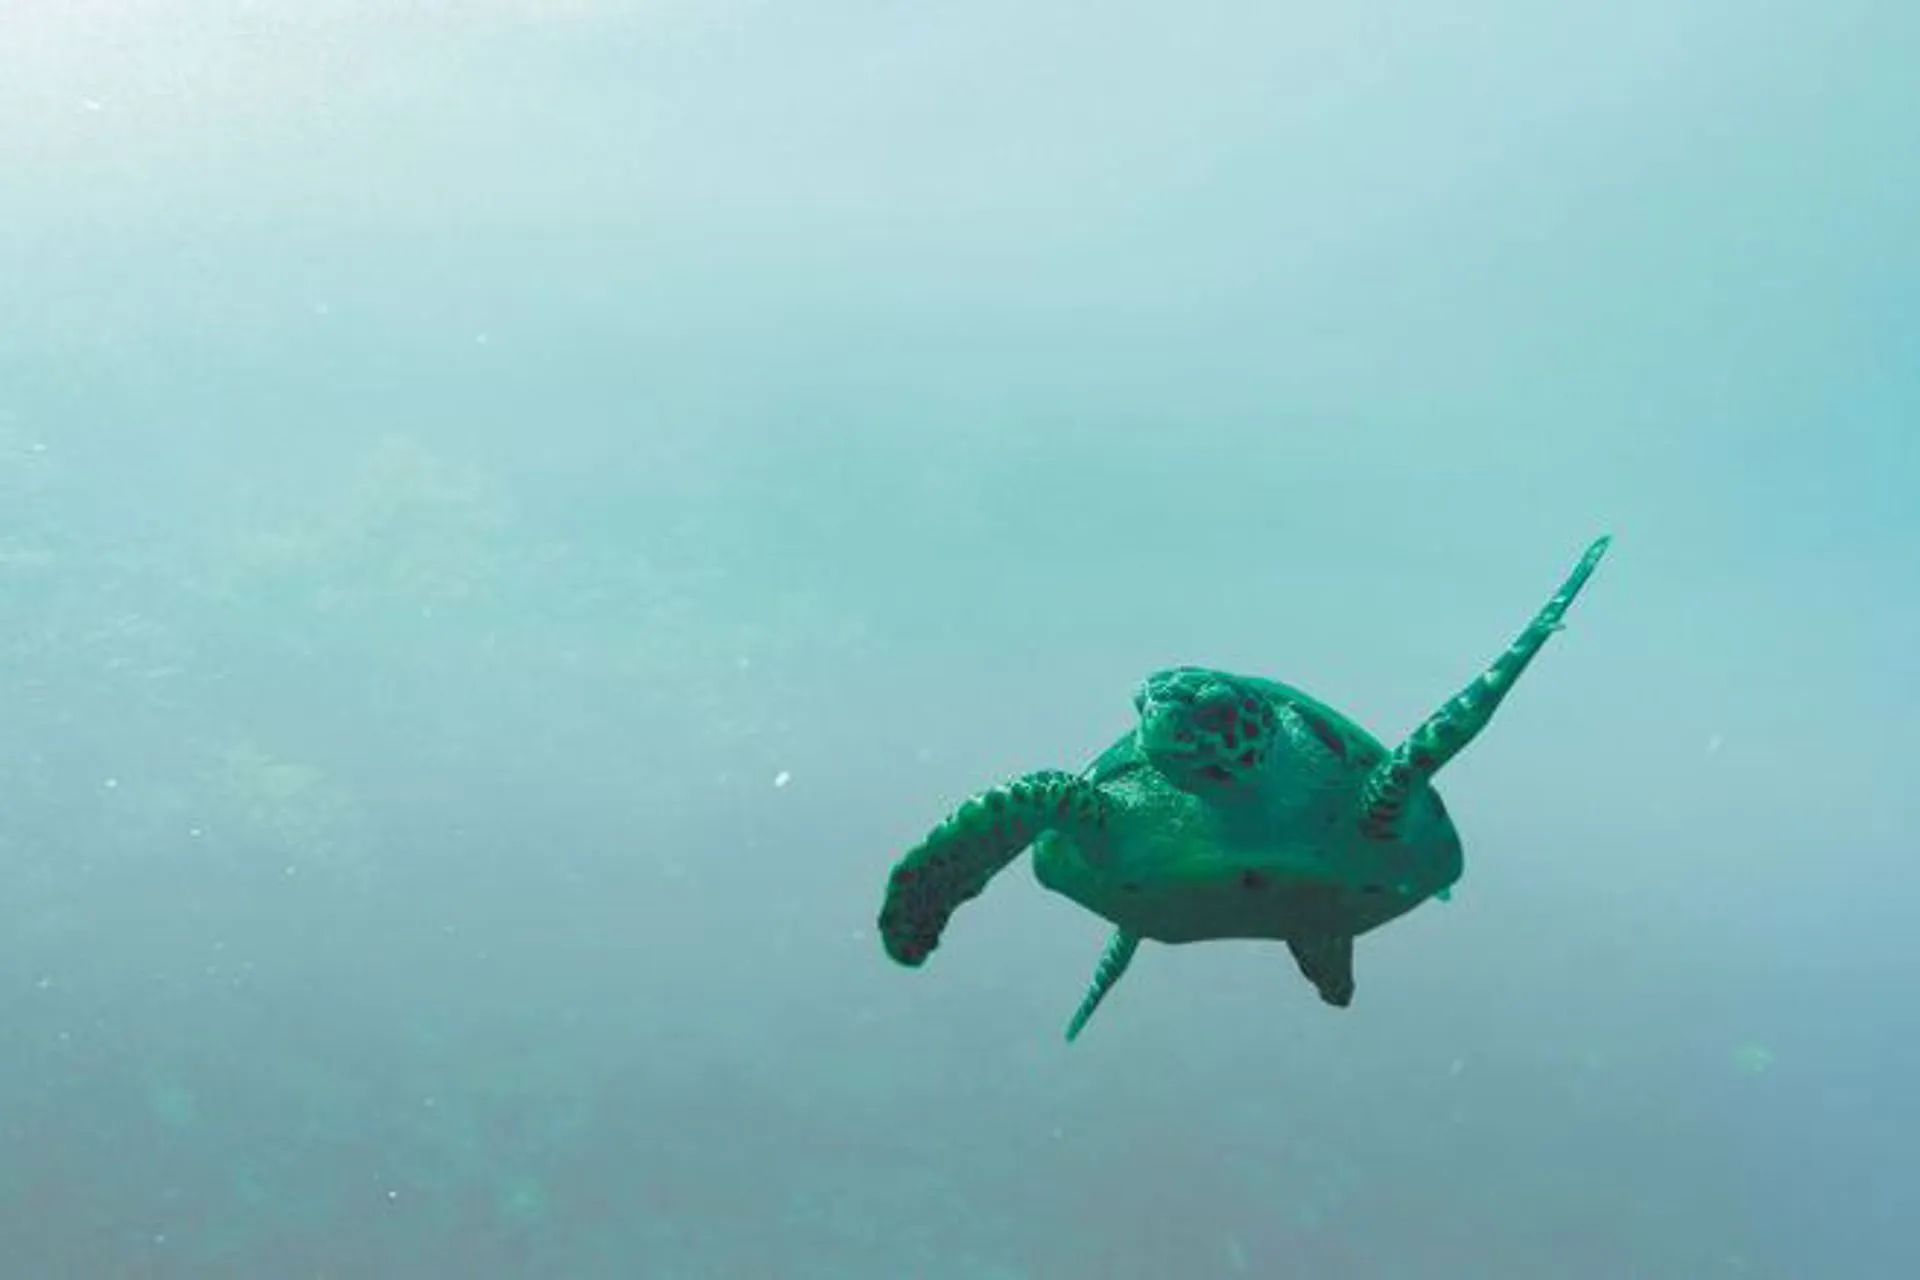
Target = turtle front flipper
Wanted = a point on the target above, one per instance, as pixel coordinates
(958, 857)
(1113, 962)
(1446, 733)
(1328, 965)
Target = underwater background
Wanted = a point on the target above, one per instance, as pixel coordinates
(514, 514)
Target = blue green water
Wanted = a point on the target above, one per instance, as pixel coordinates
(514, 514)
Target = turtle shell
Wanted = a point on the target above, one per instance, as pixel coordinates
(1278, 854)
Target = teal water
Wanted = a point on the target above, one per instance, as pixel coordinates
(513, 515)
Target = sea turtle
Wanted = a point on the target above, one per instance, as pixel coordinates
(1237, 807)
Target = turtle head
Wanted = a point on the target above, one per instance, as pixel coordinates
(1206, 731)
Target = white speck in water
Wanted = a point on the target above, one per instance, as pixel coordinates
(782, 778)
(480, 339)
(292, 870)
(92, 104)
(1459, 1065)
(1713, 743)
(392, 1194)
(194, 832)
(110, 783)
(322, 309)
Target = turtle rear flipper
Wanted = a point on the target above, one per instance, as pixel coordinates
(1328, 965)
(958, 857)
(1113, 962)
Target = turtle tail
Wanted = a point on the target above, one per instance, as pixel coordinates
(968, 848)
(1447, 732)
(1113, 963)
